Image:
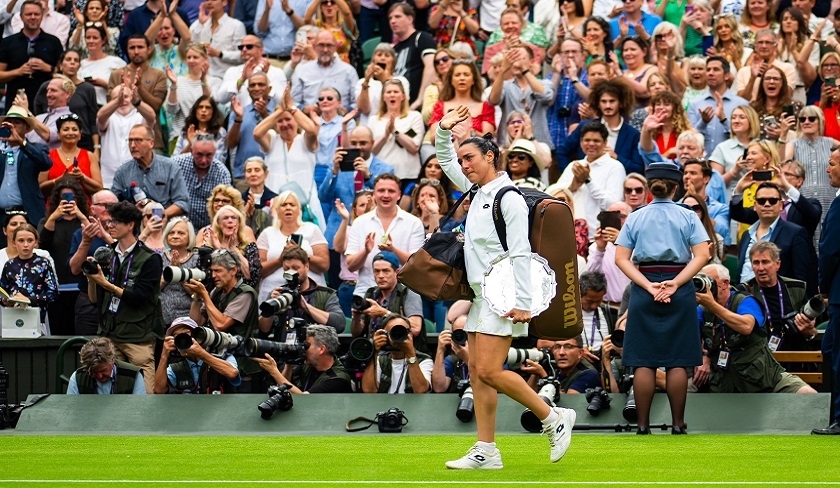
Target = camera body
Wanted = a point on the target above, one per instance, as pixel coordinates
(176, 274)
(392, 420)
(292, 351)
(279, 398)
(703, 282)
(289, 296)
(598, 400)
(360, 303)
(549, 390)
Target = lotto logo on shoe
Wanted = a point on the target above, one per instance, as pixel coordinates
(479, 458)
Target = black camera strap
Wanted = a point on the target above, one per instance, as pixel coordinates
(360, 419)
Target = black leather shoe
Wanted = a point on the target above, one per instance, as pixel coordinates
(679, 430)
(833, 429)
(643, 431)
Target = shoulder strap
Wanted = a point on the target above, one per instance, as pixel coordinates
(498, 221)
(359, 419)
(471, 192)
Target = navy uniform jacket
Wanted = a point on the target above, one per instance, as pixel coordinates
(33, 158)
(830, 254)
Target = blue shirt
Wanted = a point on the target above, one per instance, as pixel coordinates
(10, 190)
(248, 147)
(662, 231)
(567, 96)
(161, 181)
(714, 131)
(748, 306)
(279, 39)
(746, 270)
(649, 21)
(719, 213)
(107, 388)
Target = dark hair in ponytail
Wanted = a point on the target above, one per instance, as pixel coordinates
(486, 144)
(661, 188)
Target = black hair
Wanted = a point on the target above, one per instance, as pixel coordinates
(138, 35)
(771, 185)
(595, 126)
(125, 212)
(79, 195)
(724, 63)
(705, 166)
(213, 125)
(13, 212)
(485, 144)
(605, 26)
(445, 182)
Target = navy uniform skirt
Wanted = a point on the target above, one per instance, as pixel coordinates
(662, 334)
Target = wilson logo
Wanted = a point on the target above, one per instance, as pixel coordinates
(570, 312)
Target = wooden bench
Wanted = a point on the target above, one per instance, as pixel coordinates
(814, 379)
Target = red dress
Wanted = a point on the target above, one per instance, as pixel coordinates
(488, 114)
(59, 167)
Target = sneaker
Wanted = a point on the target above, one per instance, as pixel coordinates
(559, 432)
(477, 458)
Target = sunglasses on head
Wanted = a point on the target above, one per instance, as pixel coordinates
(631, 191)
(328, 98)
(809, 118)
(442, 60)
(245, 46)
(765, 201)
(429, 181)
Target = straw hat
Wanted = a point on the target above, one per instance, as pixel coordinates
(527, 147)
(18, 112)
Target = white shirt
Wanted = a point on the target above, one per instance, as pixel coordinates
(225, 38)
(375, 95)
(406, 165)
(276, 79)
(605, 187)
(273, 241)
(397, 367)
(406, 232)
(612, 134)
(101, 68)
(115, 143)
(594, 332)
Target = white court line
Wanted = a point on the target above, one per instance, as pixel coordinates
(438, 482)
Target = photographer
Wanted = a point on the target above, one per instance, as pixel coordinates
(389, 296)
(737, 359)
(452, 360)
(317, 304)
(127, 299)
(574, 375)
(102, 373)
(400, 369)
(321, 373)
(199, 371)
(231, 307)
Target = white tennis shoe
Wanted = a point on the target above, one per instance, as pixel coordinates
(477, 458)
(559, 432)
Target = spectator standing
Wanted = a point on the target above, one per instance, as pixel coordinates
(114, 121)
(184, 91)
(276, 23)
(220, 35)
(240, 134)
(711, 112)
(94, 11)
(204, 118)
(397, 131)
(201, 172)
(139, 19)
(71, 160)
(328, 70)
(97, 66)
(171, 36)
(251, 55)
(415, 52)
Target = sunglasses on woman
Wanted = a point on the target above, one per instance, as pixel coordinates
(442, 60)
(632, 191)
(810, 118)
(519, 156)
(328, 98)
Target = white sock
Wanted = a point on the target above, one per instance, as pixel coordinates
(487, 446)
(552, 417)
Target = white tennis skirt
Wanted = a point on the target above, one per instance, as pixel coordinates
(485, 321)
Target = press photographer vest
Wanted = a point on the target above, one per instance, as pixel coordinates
(459, 368)
(302, 376)
(385, 363)
(566, 382)
(209, 380)
(136, 323)
(246, 328)
(396, 304)
(751, 367)
(795, 291)
(123, 384)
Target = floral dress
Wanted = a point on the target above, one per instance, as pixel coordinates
(443, 34)
(33, 277)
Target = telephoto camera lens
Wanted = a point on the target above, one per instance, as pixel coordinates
(398, 334)
(183, 341)
(814, 307)
(459, 336)
(629, 411)
(466, 406)
(274, 306)
(617, 338)
(516, 357)
(174, 274)
(279, 398)
(361, 349)
(90, 267)
(280, 351)
(360, 303)
(548, 393)
(214, 340)
(702, 283)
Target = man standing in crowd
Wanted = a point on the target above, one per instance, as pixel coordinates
(571, 84)
(631, 18)
(27, 59)
(697, 173)
(415, 52)
(128, 299)
(830, 289)
(276, 22)
(59, 90)
(709, 113)
(251, 60)
(764, 56)
(327, 70)
(241, 125)
(201, 173)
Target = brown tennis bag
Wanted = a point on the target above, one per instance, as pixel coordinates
(553, 238)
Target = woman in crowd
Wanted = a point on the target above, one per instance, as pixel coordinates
(82, 102)
(728, 157)
(581, 226)
(171, 36)
(792, 38)
(656, 84)
(489, 333)
(676, 122)
(635, 191)
(757, 15)
(696, 80)
(67, 210)
(369, 88)
(512, 23)
(761, 156)
(454, 21)
(597, 40)
(773, 95)
(443, 63)
(696, 26)
(97, 65)
(717, 249)
(230, 232)
(523, 165)
(257, 197)
(462, 86)
(95, 11)
(636, 54)
(570, 19)
(185, 90)
(115, 15)
(28, 274)
(430, 170)
(71, 160)
(152, 227)
(664, 303)
(334, 16)
(519, 126)
(362, 204)
(829, 95)
(179, 236)
(205, 118)
(668, 53)
(291, 156)
(397, 131)
(220, 196)
(729, 43)
(287, 226)
(429, 203)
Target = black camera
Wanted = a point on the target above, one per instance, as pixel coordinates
(598, 400)
(205, 257)
(549, 388)
(9, 414)
(459, 336)
(703, 282)
(289, 296)
(183, 341)
(176, 274)
(360, 303)
(102, 258)
(564, 112)
(466, 405)
(214, 341)
(398, 334)
(279, 398)
(391, 420)
(292, 351)
(358, 355)
(90, 267)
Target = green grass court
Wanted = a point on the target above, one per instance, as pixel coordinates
(383, 460)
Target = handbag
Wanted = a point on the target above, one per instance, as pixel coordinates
(438, 271)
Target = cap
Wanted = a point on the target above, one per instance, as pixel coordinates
(181, 321)
(388, 256)
(664, 171)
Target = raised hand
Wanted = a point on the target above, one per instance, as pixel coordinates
(78, 14)
(455, 117)
(342, 209)
(173, 78)
(236, 106)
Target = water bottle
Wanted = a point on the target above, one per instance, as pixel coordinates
(137, 193)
